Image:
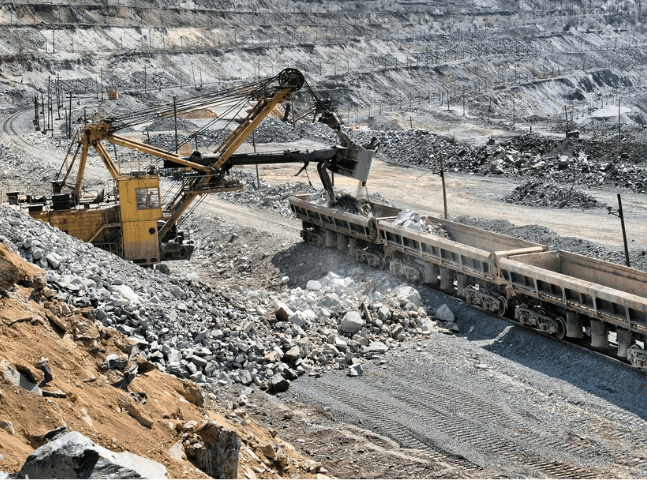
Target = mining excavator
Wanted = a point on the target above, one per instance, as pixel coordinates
(132, 220)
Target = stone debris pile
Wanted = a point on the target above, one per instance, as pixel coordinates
(20, 175)
(348, 203)
(206, 139)
(267, 197)
(567, 161)
(219, 336)
(276, 131)
(270, 131)
(539, 194)
(168, 124)
(335, 321)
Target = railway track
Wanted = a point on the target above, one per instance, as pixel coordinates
(8, 122)
(8, 126)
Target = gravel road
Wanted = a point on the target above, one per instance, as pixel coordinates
(497, 398)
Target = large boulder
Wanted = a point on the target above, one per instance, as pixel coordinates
(75, 456)
(127, 293)
(278, 383)
(221, 447)
(444, 313)
(408, 294)
(352, 322)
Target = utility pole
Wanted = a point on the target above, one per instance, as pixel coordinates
(621, 215)
(175, 117)
(442, 179)
(145, 79)
(48, 96)
(70, 117)
(36, 120)
(618, 119)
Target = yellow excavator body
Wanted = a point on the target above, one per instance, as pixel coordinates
(140, 208)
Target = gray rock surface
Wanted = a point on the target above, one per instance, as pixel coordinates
(219, 457)
(73, 455)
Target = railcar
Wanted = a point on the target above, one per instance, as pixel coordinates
(560, 293)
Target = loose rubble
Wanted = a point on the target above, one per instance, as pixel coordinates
(568, 161)
(98, 408)
(169, 124)
(266, 196)
(217, 336)
(538, 194)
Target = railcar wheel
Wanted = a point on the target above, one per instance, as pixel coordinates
(503, 306)
(561, 328)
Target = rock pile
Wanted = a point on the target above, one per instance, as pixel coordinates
(218, 336)
(276, 131)
(569, 161)
(348, 203)
(14, 170)
(336, 320)
(168, 124)
(539, 194)
(267, 197)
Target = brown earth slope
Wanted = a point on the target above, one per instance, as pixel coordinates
(155, 413)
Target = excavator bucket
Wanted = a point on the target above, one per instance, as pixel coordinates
(355, 162)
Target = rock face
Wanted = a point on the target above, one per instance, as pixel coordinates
(219, 457)
(75, 456)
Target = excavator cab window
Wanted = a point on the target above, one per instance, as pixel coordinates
(147, 198)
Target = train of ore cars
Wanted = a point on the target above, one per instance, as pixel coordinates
(559, 293)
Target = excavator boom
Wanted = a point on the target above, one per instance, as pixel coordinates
(133, 223)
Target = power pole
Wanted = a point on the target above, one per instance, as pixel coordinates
(70, 118)
(620, 214)
(175, 118)
(618, 119)
(442, 179)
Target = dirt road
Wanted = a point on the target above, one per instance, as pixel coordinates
(479, 197)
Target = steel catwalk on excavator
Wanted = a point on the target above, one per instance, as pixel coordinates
(132, 219)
